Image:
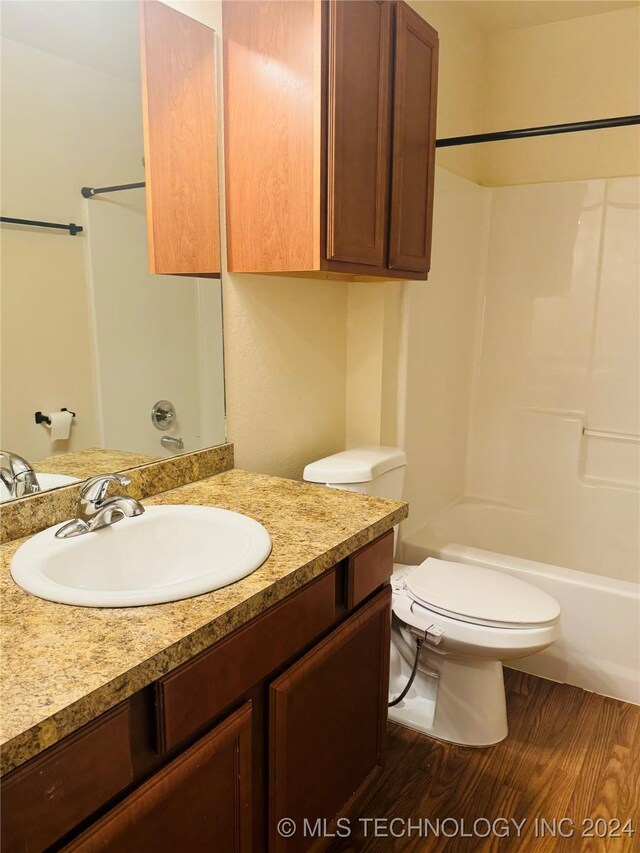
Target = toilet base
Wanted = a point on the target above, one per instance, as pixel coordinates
(458, 700)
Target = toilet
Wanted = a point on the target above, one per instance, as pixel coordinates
(457, 622)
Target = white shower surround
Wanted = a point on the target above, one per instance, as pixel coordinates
(527, 335)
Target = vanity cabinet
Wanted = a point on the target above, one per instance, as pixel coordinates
(327, 724)
(201, 801)
(284, 717)
(330, 113)
(180, 142)
(49, 795)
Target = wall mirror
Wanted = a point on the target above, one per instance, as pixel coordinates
(135, 359)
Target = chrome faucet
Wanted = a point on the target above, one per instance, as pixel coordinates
(17, 475)
(96, 510)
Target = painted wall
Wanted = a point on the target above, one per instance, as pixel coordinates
(285, 358)
(461, 82)
(576, 70)
(373, 341)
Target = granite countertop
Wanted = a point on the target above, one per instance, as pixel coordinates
(62, 666)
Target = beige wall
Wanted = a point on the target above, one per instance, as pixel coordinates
(285, 359)
(586, 68)
(373, 340)
(460, 82)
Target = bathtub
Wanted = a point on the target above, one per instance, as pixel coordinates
(600, 645)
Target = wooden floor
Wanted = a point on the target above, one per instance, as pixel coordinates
(569, 754)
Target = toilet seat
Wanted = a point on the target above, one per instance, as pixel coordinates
(479, 596)
(473, 620)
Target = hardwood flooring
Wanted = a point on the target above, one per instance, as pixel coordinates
(569, 754)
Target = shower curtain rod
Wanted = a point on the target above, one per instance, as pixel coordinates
(545, 130)
(89, 192)
(450, 141)
(72, 228)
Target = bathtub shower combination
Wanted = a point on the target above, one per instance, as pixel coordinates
(527, 457)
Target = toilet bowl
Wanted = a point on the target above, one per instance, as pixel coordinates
(461, 622)
(469, 621)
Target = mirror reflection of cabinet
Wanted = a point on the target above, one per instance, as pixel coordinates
(180, 133)
(84, 325)
(330, 111)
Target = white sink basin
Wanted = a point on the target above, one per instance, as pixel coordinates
(167, 554)
(47, 481)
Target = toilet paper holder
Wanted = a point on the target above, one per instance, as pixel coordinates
(45, 419)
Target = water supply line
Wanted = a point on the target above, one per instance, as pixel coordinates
(398, 699)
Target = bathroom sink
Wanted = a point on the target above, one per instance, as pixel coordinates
(46, 481)
(166, 554)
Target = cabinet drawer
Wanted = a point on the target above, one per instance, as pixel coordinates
(369, 568)
(192, 695)
(50, 795)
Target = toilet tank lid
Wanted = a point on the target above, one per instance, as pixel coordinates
(358, 465)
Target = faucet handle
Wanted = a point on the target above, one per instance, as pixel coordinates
(95, 488)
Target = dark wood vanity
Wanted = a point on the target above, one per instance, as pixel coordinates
(284, 717)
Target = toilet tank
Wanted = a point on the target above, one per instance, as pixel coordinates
(372, 470)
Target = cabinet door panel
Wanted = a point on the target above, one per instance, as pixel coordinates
(358, 131)
(413, 151)
(180, 142)
(200, 802)
(327, 720)
(58, 789)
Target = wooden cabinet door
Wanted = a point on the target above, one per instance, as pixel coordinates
(52, 793)
(414, 134)
(358, 130)
(200, 802)
(327, 724)
(180, 142)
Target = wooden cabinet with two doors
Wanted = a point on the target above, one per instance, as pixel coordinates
(329, 114)
(285, 718)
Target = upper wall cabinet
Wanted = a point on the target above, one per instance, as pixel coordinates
(330, 114)
(180, 142)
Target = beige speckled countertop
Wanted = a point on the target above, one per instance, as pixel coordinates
(62, 666)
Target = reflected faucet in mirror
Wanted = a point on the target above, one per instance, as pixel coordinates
(172, 443)
(17, 475)
(96, 511)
